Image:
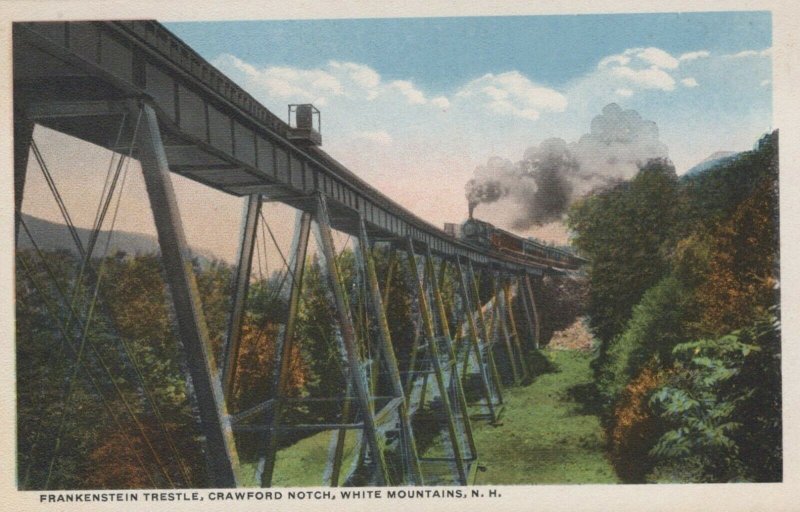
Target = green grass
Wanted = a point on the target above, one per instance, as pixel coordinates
(303, 463)
(544, 437)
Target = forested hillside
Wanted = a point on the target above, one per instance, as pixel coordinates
(684, 300)
(103, 397)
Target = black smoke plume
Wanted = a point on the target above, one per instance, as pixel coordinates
(552, 175)
(491, 182)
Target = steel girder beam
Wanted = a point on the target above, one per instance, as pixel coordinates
(455, 383)
(346, 338)
(241, 285)
(222, 458)
(283, 350)
(390, 266)
(501, 319)
(336, 448)
(475, 344)
(377, 308)
(416, 346)
(513, 324)
(492, 324)
(461, 314)
(426, 277)
(495, 376)
(534, 310)
(433, 349)
(357, 300)
(458, 336)
(23, 134)
(65, 109)
(522, 292)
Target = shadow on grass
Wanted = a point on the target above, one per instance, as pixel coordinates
(539, 364)
(428, 426)
(587, 396)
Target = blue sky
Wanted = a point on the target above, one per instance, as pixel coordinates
(418, 106)
(440, 53)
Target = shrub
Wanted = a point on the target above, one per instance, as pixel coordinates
(709, 402)
(636, 427)
(760, 436)
(653, 330)
(625, 231)
(740, 285)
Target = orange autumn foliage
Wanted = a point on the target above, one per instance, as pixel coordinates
(115, 462)
(254, 372)
(636, 427)
(740, 284)
(127, 460)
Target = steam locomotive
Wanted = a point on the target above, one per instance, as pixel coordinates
(483, 234)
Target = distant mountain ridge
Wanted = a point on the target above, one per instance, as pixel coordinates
(712, 160)
(51, 236)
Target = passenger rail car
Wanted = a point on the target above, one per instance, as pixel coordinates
(486, 235)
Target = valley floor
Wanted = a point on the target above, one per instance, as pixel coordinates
(545, 436)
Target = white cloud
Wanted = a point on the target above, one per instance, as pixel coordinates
(337, 79)
(366, 79)
(621, 60)
(513, 94)
(413, 95)
(650, 78)
(362, 75)
(701, 54)
(765, 83)
(640, 57)
(227, 59)
(750, 53)
(285, 82)
(495, 93)
(655, 56)
(642, 69)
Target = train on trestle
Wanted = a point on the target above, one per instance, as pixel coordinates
(486, 235)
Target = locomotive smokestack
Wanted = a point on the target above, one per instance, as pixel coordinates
(486, 190)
